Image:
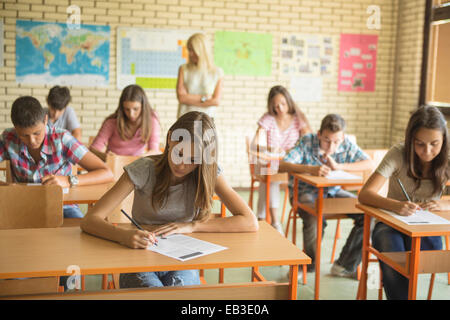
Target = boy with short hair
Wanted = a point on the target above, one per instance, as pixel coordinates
(318, 154)
(39, 153)
(60, 114)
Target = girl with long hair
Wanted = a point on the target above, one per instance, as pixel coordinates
(173, 190)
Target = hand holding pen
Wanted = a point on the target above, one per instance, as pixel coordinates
(406, 208)
(321, 170)
(138, 239)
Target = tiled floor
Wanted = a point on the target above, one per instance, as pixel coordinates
(331, 288)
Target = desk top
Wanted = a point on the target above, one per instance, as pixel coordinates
(86, 194)
(48, 252)
(410, 230)
(319, 182)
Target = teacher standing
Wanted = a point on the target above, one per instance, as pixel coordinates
(199, 83)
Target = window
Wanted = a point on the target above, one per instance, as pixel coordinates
(435, 82)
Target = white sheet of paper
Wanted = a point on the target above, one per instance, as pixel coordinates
(342, 175)
(421, 217)
(65, 190)
(183, 248)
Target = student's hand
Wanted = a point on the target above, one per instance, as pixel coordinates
(329, 161)
(138, 239)
(62, 181)
(321, 171)
(406, 208)
(174, 227)
(432, 205)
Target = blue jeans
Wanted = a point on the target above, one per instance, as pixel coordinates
(72, 211)
(387, 239)
(351, 254)
(159, 279)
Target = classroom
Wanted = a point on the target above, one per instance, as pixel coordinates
(373, 62)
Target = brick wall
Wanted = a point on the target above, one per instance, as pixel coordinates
(244, 98)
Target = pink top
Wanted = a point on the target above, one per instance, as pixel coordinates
(109, 137)
(281, 139)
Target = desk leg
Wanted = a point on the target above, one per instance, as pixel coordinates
(293, 274)
(362, 287)
(268, 217)
(319, 208)
(413, 268)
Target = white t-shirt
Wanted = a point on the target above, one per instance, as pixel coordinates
(200, 82)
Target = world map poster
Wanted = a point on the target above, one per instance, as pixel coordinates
(53, 53)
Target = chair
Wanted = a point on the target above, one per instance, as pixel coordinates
(283, 177)
(42, 207)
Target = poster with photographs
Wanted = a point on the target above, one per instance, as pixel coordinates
(357, 62)
(306, 55)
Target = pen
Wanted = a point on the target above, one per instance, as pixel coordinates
(134, 222)
(403, 189)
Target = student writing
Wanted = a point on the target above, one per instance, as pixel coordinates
(318, 154)
(173, 190)
(132, 130)
(420, 163)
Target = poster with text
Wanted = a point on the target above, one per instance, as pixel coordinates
(303, 55)
(357, 62)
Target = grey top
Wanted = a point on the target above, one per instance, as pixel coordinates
(68, 120)
(393, 166)
(179, 206)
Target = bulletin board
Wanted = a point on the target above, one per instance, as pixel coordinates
(357, 62)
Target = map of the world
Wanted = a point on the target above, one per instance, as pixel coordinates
(51, 53)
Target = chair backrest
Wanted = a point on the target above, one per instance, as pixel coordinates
(376, 155)
(23, 206)
(8, 171)
(116, 164)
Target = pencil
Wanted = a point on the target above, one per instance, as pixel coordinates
(135, 223)
(403, 189)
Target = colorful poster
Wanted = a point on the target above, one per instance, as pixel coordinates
(53, 53)
(306, 55)
(357, 65)
(243, 53)
(149, 57)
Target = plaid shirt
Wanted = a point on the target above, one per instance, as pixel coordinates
(306, 152)
(58, 152)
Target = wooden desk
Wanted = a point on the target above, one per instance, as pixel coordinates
(408, 263)
(86, 194)
(320, 208)
(48, 252)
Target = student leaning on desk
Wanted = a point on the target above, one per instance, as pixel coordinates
(318, 154)
(173, 190)
(418, 172)
(40, 153)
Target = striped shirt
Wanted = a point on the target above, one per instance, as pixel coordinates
(58, 152)
(306, 152)
(281, 139)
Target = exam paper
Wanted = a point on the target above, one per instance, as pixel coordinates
(342, 175)
(421, 217)
(183, 248)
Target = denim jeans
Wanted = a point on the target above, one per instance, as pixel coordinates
(351, 254)
(159, 279)
(72, 211)
(387, 239)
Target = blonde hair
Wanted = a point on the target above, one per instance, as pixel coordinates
(198, 43)
(204, 176)
(134, 93)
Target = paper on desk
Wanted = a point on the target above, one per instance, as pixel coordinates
(421, 217)
(342, 175)
(65, 190)
(183, 248)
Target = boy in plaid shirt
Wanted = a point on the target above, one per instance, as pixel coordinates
(318, 154)
(42, 154)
